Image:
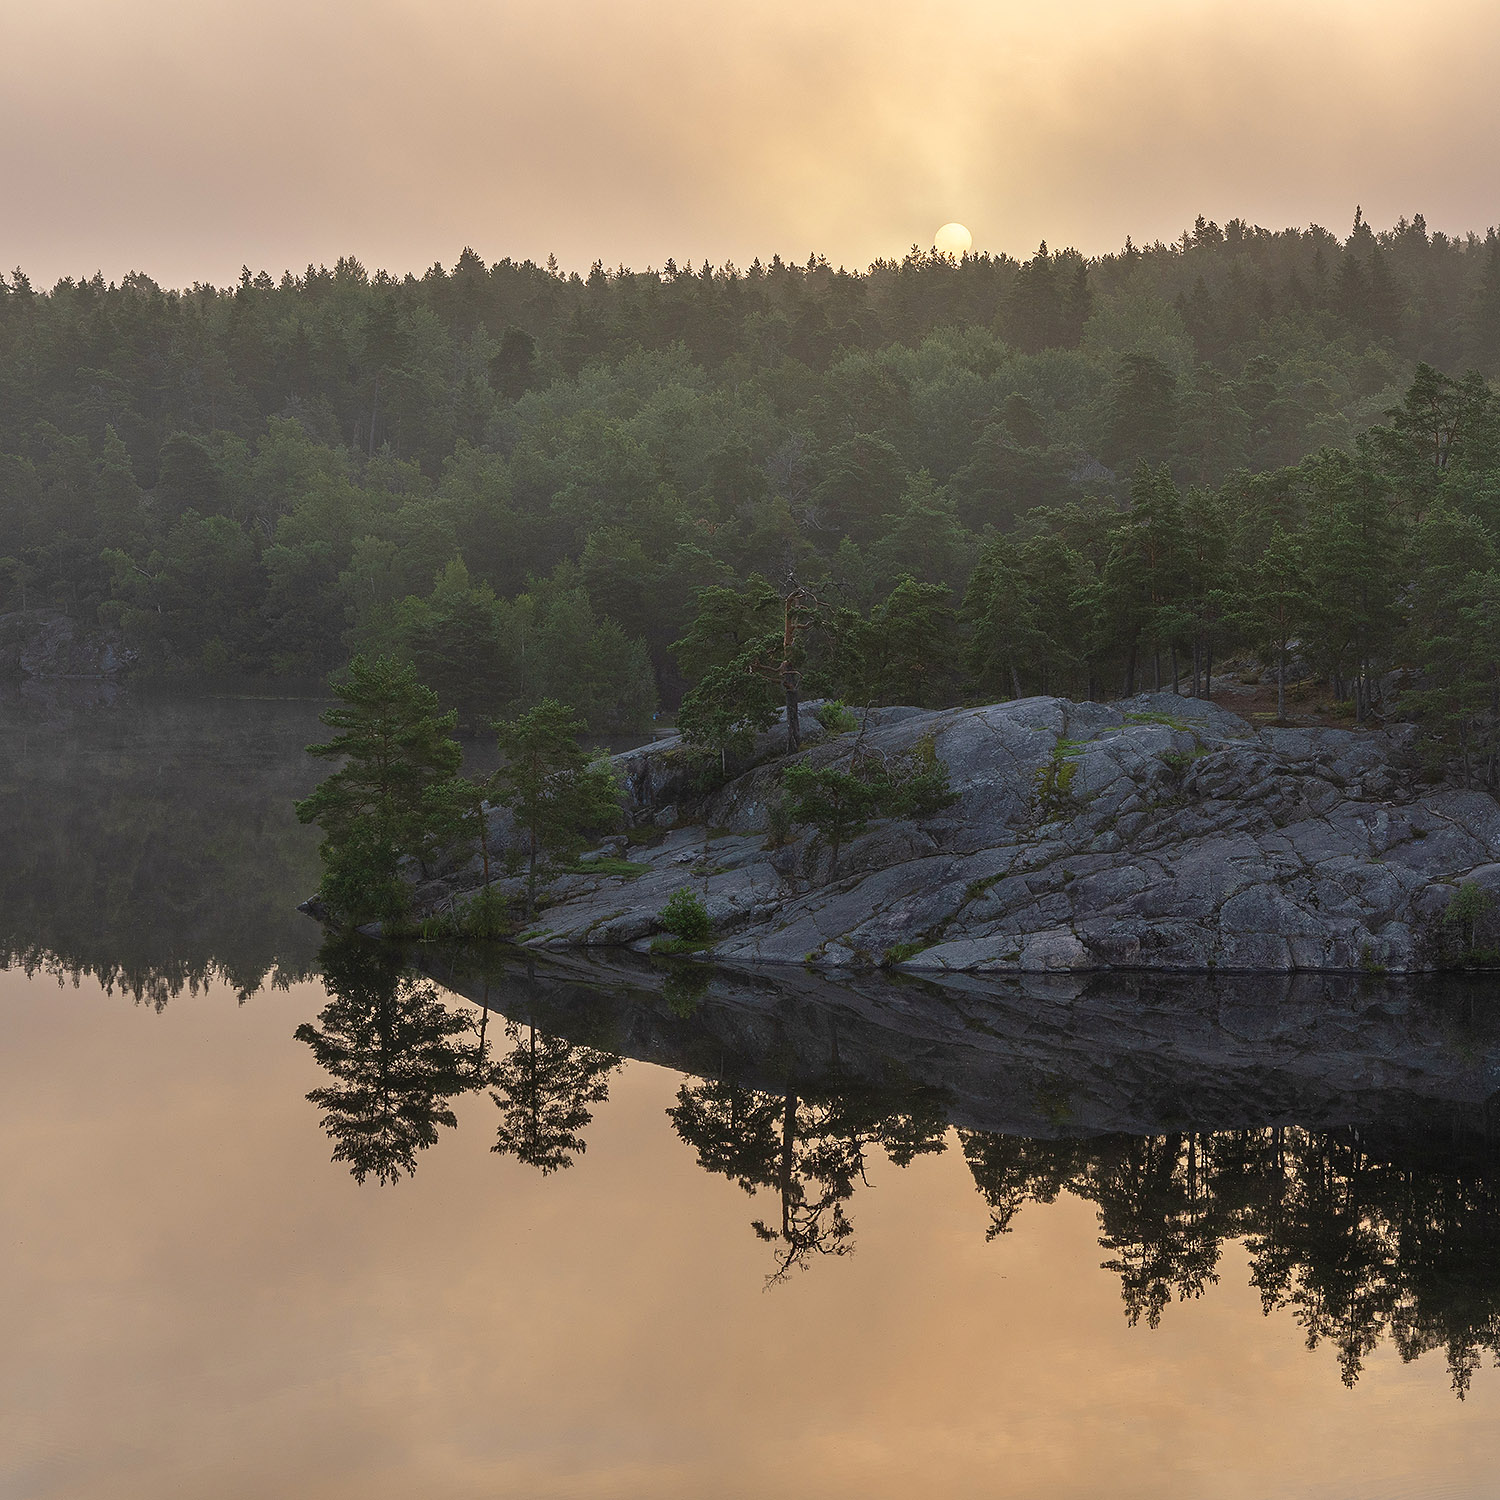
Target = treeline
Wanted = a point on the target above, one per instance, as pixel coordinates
(520, 479)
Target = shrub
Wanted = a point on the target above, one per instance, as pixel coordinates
(779, 823)
(835, 717)
(686, 917)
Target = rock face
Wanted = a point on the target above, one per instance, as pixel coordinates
(1161, 833)
(41, 643)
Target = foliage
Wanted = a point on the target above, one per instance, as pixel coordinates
(686, 917)
(387, 799)
(390, 1046)
(526, 485)
(1463, 920)
(556, 790)
(545, 1088)
(835, 717)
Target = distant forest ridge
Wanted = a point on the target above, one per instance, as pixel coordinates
(522, 478)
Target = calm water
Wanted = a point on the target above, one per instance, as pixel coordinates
(573, 1229)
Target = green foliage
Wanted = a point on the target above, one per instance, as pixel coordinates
(386, 800)
(531, 486)
(556, 790)
(686, 918)
(835, 717)
(837, 803)
(917, 786)
(1052, 784)
(898, 953)
(1463, 921)
(626, 869)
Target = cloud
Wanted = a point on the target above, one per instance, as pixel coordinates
(187, 138)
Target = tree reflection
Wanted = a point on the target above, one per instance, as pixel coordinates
(545, 1088)
(808, 1150)
(151, 842)
(1358, 1244)
(391, 1047)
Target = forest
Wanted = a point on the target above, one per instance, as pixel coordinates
(988, 477)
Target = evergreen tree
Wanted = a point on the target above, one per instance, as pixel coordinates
(556, 790)
(1275, 606)
(545, 1089)
(379, 805)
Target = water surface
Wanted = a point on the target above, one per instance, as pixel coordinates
(740, 1236)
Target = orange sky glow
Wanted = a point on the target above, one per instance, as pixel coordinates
(186, 137)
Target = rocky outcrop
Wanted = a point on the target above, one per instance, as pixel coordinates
(1161, 833)
(42, 643)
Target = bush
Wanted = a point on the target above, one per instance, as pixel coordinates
(835, 717)
(686, 917)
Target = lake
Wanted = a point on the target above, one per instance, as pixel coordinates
(594, 1228)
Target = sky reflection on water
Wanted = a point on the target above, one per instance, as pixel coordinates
(201, 1303)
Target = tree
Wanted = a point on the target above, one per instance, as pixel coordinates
(1275, 605)
(808, 1150)
(838, 803)
(1353, 555)
(379, 805)
(754, 632)
(1142, 415)
(910, 644)
(556, 790)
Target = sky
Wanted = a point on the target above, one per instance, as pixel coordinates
(184, 138)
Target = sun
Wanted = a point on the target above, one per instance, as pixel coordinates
(954, 240)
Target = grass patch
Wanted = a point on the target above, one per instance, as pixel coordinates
(976, 888)
(1052, 782)
(898, 953)
(1167, 720)
(626, 868)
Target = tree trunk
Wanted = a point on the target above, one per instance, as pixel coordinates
(1176, 675)
(531, 879)
(1281, 684)
(791, 682)
(1015, 681)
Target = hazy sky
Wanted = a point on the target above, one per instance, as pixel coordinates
(184, 137)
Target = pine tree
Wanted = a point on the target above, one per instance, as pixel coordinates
(556, 790)
(397, 753)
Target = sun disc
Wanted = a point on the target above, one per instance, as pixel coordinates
(954, 240)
